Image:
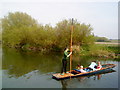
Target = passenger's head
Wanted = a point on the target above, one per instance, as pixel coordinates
(78, 65)
(94, 61)
(81, 67)
(98, 63)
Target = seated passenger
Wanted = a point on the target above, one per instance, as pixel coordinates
(77, 68)
(99, 66)
(92, 66)
(81, 69)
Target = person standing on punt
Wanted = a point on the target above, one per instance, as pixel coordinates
(64, 60)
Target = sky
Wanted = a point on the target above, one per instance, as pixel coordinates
(101, 14)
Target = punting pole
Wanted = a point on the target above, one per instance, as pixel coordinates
(71, 32)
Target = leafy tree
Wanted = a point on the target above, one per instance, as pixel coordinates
(81, 34)
(16, 27)
(18, 20)
(21, 30)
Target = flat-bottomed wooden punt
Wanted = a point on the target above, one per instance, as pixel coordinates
(75, 73)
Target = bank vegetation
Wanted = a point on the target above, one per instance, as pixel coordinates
(21, 31)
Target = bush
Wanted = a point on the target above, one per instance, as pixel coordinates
(21, 30)
(101, 51)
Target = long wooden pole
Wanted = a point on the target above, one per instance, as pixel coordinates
(71, 45)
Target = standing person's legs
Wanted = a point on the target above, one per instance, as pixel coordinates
(62, 69)
(65, 65)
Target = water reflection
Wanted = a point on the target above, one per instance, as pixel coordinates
(83, 79)
(18, 64)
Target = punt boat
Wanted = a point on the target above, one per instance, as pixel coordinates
(75, 73)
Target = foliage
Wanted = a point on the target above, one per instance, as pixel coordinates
(81, 33)
(18, 20)
(20, 30)
(101, 50)
(16, 28)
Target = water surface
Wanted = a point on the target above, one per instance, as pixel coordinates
(34, 70)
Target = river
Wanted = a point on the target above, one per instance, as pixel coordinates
(34, 70)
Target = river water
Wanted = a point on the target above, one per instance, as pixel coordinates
(34, 70)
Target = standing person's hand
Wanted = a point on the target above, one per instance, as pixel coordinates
(69, 54)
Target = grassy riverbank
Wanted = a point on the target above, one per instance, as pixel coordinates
(102, 51)
(94, 50)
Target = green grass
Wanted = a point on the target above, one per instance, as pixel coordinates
(101, 50)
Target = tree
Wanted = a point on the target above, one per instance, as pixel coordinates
(16, 27)
(20, 29)
(81, 34)
(17, 20)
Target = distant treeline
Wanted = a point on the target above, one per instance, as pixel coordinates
(20, 30)
(101, 39)
(104, 39)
